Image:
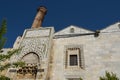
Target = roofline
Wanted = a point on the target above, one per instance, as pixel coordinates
(74, 26)
(110, 25)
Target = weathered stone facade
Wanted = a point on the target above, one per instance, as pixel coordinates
(69, 54)
(36, 49)
(95, 54)
(101, 53)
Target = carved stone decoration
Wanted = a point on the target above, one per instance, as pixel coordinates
(36, 49)
(37, 45)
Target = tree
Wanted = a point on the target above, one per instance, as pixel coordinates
(4, 78)
(109, 76)
(3, 30)
(4, 57)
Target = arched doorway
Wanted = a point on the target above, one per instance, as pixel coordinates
(29, 71)
(31, 58)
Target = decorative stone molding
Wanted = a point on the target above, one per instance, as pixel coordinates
(37, 45)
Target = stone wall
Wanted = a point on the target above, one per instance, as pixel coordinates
(100, 54)
(97, 53)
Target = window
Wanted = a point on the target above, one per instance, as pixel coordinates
(119, 26)
(74, 56)
(73, 60)
(72, 30)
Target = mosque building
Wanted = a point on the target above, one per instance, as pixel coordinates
(68, 54)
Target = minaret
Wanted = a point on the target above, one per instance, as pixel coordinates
(41, 12)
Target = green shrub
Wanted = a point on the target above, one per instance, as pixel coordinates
(4, 78)
(109, 76)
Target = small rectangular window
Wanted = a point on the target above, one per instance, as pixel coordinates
(73, 60)
(74, 57)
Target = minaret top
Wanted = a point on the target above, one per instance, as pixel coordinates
(41, 12)
(43, 9)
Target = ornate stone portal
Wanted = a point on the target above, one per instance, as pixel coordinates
(36, 49)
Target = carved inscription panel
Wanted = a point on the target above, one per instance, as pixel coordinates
(38, 33)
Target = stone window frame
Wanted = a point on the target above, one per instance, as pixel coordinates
(81, 63)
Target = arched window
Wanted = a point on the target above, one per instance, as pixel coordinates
(72, 30)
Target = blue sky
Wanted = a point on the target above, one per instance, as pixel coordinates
(89, 14)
